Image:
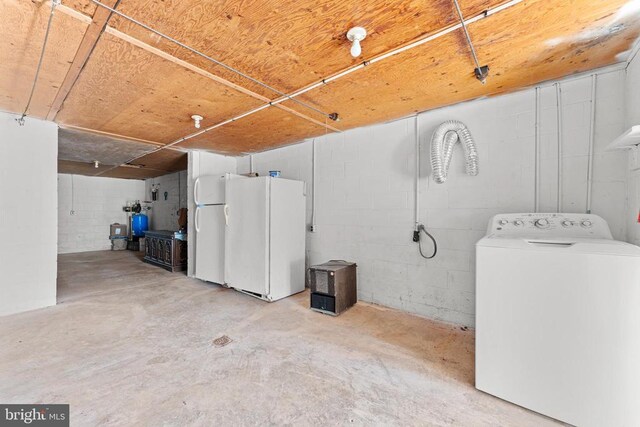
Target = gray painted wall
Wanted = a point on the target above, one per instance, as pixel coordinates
(28, 214)
(164, 212)
(365, 185)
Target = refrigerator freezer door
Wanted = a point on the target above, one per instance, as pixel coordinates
(209, 190)
(247, 235)
(209, 226)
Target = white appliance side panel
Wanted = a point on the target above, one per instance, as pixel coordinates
(557, 333)
(192, 173)
(210, 243)
(247, 239)
(288, 207)
(209, 190)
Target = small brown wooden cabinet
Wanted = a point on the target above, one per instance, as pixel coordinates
(166, 250)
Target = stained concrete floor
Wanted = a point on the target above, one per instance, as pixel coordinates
(132, 344)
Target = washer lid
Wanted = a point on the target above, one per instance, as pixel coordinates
(561, 245)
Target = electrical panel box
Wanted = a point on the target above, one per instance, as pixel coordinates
(333, 286)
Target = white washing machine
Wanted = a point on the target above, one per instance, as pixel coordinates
(558, 318)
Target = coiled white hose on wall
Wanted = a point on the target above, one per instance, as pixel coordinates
(443, 141)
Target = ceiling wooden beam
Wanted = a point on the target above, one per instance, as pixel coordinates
(89, 41)
(159, 52)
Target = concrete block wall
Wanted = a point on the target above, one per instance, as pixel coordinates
(164, 212)
(294, 160)
(632, 118)
(609, 168)
(96, 203)
(28, 214)
(365, 185)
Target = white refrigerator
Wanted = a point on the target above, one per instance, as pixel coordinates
(209, 223)
(265, 237)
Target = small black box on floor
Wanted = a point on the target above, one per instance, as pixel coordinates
(333, 286)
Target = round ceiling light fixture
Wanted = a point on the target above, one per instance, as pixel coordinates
(196, 120)
(355, 36)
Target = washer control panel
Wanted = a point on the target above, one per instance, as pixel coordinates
(550, 224)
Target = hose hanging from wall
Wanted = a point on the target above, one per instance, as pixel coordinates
(443, 141)
(421, 228)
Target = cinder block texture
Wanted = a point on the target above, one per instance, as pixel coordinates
(365, 189)
(86, 207)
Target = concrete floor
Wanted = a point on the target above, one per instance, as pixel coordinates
(132, 344)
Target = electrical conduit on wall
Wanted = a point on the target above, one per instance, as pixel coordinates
(592, 135)
(560, 155)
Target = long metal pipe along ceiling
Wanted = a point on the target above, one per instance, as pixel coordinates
(381, 57)
(327, 80)
(54, 4)
(188, 137)
(207, 57)
(404, 48)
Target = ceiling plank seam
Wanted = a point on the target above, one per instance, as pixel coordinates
(388, 54)
(333, 116)
(159, 52)
(392, 52)
(118, 136)
(403, 48)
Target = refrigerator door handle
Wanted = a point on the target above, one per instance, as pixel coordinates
(196, 222)
(195, 191)
(226, 215)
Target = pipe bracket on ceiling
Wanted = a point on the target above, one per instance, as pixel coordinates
(54, 4)
(283, 96)
(481, 72)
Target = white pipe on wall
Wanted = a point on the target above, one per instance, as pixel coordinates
(592, 131)
(417, 180)
(313, 185)
(559, 120)
(536, 170)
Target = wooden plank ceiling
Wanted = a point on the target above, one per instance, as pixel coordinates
(128, 86)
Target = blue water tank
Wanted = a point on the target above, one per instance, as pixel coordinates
(139, 224)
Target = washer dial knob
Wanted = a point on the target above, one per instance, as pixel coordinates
(503, 222)
(586, 223)
(542, 223)
(518, 223)
(567, 223)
